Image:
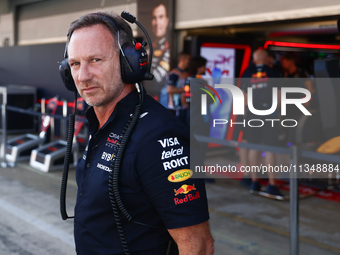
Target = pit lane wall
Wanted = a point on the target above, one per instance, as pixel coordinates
(26, 22)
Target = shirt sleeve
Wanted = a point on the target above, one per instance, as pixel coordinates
(163, 167)
(173, 78)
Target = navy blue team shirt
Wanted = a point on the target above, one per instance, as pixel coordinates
(154, 183)
(259, 79)
(173, 80)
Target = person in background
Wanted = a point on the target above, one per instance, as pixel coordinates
(270, 59)
(298, 77)
(259, 80)
(291, 70)
(199, 124)
(196, 68)
(244, 152)
(172, 95)
(161, 54)
(272, 63)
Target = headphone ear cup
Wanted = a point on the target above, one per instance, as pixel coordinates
(66, 76)
(138, 61)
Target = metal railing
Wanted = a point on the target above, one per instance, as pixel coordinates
(294, 153)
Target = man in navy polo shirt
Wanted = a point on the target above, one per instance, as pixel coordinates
(172, 94)
(155, 184)
(260, 78)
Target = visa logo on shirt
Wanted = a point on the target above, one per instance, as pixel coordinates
(168, 142)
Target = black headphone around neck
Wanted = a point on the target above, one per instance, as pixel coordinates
(134, 63)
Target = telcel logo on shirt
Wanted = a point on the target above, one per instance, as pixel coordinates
(180, 175)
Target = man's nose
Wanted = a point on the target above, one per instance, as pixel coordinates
(85, 73)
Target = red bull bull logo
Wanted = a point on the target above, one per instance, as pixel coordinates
(184, 189)
(260, 75)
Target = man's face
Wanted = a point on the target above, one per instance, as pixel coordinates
(270, 61)
(286, 64)
(185, 61)
(95, 65)
(159, 21)
(201, 70)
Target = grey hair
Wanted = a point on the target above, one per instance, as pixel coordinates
(91, 19)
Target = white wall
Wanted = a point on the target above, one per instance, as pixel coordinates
(50, 29)
(6, 29)
(36, 27)
(205, 13)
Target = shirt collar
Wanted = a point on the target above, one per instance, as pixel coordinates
(123, 107)
(179, 69)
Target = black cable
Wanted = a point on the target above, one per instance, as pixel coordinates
(63, 187)
(118, 160)
(115, 199)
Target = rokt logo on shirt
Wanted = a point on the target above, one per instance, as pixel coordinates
(175, 163)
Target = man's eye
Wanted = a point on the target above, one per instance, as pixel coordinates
(74, 64)
(96, 60)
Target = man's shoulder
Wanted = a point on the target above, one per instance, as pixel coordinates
(249, 70)
(157, 113)
(174, 72)
(271, 72)
(155, 116)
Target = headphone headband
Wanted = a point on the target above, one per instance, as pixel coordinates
(133, 57)
(110, 21)
(114, 25)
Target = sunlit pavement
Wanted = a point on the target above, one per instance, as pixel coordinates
(241, 223)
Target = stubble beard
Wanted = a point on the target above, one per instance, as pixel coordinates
(106, 96)
(110, 95)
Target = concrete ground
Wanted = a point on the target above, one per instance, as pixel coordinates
(241, 223)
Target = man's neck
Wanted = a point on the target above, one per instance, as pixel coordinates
(259, 63)
(181, 67)
(104, 112)
(160, 40)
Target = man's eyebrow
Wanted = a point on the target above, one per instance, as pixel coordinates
(95, 55)
(70, 60)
